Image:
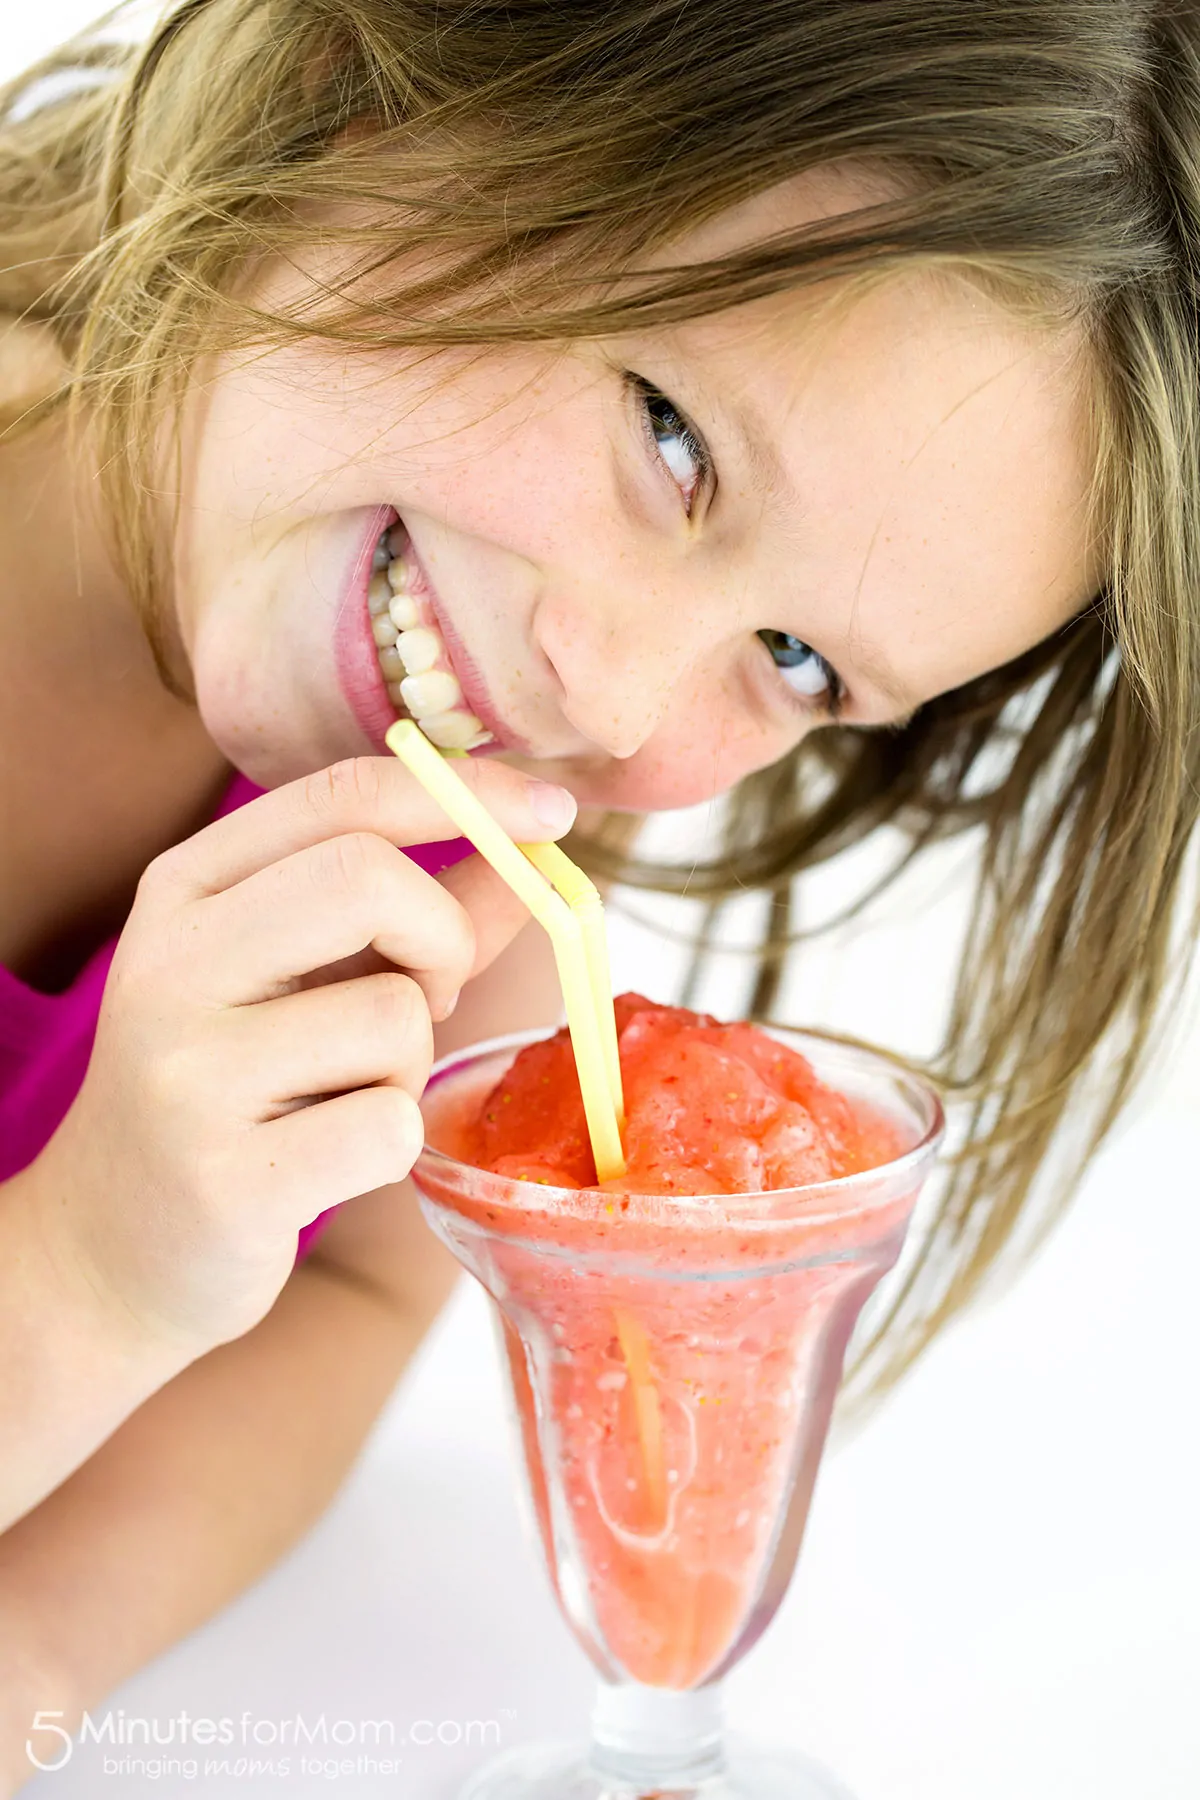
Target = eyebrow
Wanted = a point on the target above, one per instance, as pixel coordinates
(772, 478)
(768, 472)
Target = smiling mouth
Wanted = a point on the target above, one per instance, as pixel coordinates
(413, 658)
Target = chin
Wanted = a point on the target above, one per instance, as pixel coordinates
(257, 753)
(276, 739)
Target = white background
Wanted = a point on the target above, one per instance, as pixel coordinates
(1000, 1592)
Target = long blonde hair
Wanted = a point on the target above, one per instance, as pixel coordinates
(523, 158)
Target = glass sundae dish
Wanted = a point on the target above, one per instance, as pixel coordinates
(674, 1343)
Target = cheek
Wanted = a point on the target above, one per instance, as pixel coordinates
(536, 494)
(237, 691)
(698, 754)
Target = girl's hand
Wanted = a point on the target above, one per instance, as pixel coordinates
(227, 1103)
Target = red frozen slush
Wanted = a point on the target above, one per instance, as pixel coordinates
(674, 1352)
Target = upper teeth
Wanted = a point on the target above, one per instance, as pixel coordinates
(419, 649)
(402, 611)
(410, 650)
(433, 692)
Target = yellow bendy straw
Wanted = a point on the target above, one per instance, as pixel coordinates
(572, 914)
(587, 992)
(647, 1412)
(583, 898)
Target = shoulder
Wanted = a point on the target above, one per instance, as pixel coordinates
(31, 364)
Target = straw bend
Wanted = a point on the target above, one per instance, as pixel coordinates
(568, 907)
(583, 898)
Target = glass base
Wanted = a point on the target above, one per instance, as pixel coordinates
(558, 1772)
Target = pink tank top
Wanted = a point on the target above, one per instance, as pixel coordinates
(46, 1039)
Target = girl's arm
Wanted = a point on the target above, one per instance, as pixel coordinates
(212, 1480)
(160, 1218)
(73, 1364)
(221, 1471)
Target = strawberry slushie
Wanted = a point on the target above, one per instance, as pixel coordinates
(675, 1338)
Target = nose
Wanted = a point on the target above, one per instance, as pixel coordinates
(622, 662)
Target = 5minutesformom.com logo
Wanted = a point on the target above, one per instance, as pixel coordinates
(50, 1746)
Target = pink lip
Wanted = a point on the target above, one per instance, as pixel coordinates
(357, 660)
(466, 671)
(355, 656)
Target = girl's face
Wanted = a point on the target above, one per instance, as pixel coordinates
(650, 564)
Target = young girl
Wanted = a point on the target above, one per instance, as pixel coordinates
(793, 400)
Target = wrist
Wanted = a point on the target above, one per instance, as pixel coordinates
(39, 1702)
(75, 1362)
(68, 1291)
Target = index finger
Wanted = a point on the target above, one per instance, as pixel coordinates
(364, 793)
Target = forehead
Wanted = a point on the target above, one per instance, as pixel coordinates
(921, 456)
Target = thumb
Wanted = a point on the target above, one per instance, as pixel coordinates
(490, 904)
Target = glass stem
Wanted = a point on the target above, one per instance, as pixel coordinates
(655, 1738)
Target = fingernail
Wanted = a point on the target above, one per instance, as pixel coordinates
(448, 1008)
(553, 806)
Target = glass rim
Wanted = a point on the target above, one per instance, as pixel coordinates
(839, 1188)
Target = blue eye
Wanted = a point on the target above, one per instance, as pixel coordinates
(804, 670)
(675, 439)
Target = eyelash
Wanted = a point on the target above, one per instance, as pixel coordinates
(833, 700)
(681, 427)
